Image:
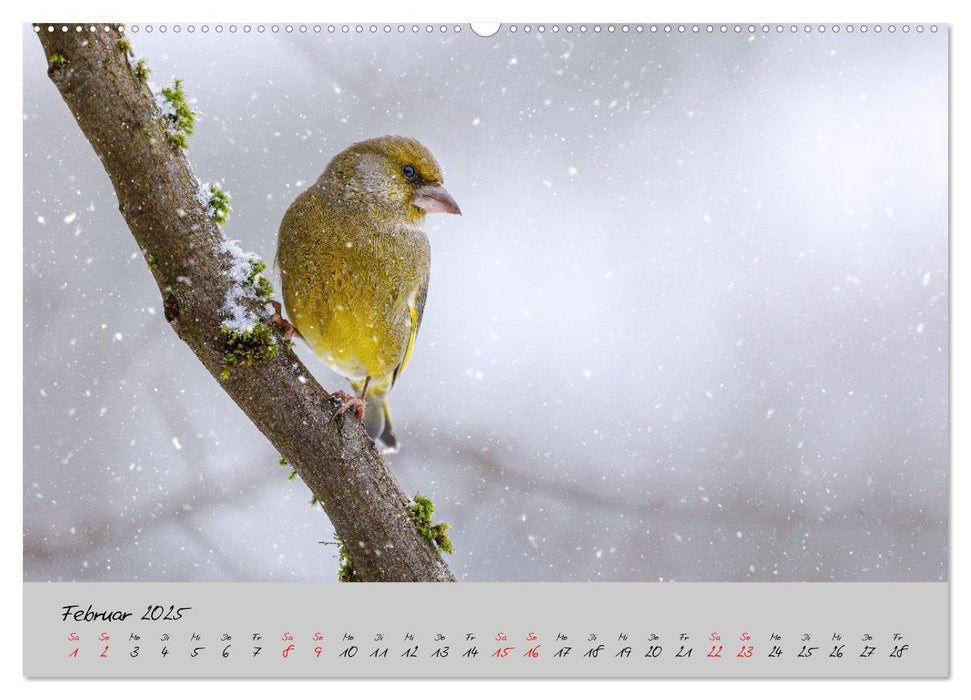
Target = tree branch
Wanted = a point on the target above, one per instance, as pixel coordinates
(158, 196)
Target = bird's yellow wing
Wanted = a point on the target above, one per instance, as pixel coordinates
(415, 309)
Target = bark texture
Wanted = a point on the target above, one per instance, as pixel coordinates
(157, 195)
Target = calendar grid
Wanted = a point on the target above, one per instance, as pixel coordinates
(486, 630)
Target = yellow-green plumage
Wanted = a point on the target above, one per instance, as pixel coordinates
(354, 260)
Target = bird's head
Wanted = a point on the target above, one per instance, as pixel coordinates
(394, 177)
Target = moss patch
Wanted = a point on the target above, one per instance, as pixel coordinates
(58, 61)
(218, 205)
(178, 118)
(345, 572)
(142, 71)
(250, 347)
(262, 286)
(422, 512)
(152, 261)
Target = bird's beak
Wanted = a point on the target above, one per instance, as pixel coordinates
(435, 199)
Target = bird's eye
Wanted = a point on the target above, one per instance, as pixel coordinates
(409, 172)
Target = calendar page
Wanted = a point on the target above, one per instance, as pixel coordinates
(486, 351)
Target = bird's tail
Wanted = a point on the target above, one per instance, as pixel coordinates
(377, 415)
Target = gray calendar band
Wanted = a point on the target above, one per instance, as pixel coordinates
(484, 630)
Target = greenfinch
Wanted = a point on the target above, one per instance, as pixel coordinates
(354, 261)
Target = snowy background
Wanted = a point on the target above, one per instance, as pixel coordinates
(691, 326)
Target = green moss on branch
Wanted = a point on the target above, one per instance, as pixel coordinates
(345, 571)
(179, 120)
(421, 513)
(250, 347)
(218, 205)
(142, 71)
(261, 284)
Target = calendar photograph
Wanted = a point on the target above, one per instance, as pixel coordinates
(521, 303)
(691, 324)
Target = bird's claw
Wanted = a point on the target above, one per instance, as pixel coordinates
(348, 402)
(289, 330)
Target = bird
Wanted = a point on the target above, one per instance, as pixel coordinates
(354, 261)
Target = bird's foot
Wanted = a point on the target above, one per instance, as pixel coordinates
(289, 330)
(348, 402)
